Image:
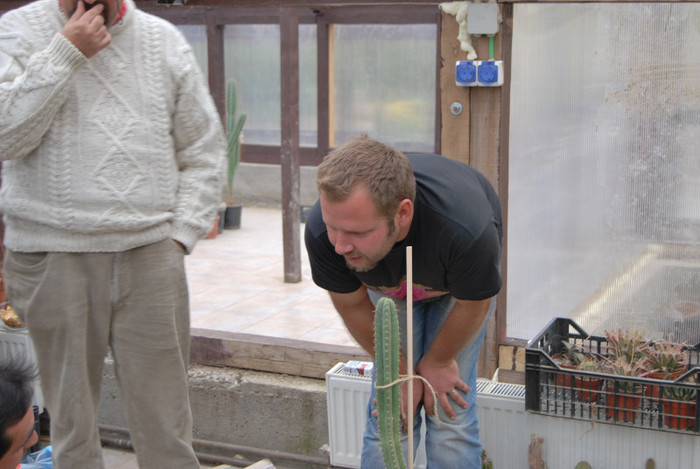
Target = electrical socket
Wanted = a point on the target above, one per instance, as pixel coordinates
(490, 73)
(465, 72)
(479, 73)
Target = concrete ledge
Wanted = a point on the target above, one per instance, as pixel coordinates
(268, 413)
(261, 184)
(269, 354)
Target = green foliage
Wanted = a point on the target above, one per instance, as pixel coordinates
(590, 363)
(386, 345)
(682, 393)
(629, 346)
(666, 357)
(573, 353)
(234, 126)
(618, 365)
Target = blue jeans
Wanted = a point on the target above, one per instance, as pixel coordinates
(450, 444)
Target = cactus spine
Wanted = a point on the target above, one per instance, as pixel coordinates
(234, 126)
(386, 345)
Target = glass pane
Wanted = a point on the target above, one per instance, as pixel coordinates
(252, 58)
(385, 84)
(604, 200)
(196, 35)
(308, 87)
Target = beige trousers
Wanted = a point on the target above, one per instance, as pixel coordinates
(135, 302)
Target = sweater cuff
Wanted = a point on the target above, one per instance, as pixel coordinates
(63, 53)
(187, 237)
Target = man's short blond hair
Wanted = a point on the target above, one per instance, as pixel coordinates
(384, 170)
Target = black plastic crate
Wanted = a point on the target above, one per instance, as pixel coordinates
(551, 389)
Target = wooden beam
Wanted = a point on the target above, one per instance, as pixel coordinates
(485, 110)
(454, 132)
(511, 361)
(331, 86)
(503, 164)
(217, 75)
(324, 37)
(291, 191)
(271, 354)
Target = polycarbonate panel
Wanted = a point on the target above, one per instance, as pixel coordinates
(252, 59)
(604, 168)
(196, 35)
(385, 84)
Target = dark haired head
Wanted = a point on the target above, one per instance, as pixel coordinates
(16, 394)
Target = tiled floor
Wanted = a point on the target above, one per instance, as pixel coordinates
(237, 284)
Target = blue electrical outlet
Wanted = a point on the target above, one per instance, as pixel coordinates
(490, 73)
(465, 73)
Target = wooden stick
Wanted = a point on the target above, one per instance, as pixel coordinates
(409, 351)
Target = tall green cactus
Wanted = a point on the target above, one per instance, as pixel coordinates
(386, 345)
(234, 126)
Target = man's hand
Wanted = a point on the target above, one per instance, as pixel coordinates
(417, 397)
(444, 377)
(87, 30)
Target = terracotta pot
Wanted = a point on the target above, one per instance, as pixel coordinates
(679, 415)
(654, 390)
(586, 388)
(215, 229)
(622, 405)
(562, 379)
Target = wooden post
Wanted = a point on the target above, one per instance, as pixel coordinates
(473, 135)
(289, 77)
(217, 78)
(454, 134)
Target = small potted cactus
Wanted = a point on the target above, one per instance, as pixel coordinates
(234, 127)
(665, 361)
(679, 405)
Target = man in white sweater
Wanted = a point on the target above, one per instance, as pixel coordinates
(113, 165)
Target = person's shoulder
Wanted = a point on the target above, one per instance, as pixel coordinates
(34, 10)
(314, 221)
(154, 21)
(434, 163)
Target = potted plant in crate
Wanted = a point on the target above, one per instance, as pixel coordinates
(665, 361)
(679, 406)
(587, 387)
(623, 396)
(628, 346)
(570, 357)
(234, 126)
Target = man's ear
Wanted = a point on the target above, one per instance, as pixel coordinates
(404, 213)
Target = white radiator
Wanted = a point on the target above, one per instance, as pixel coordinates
(18, 343)
(347, 398)
(506, 429)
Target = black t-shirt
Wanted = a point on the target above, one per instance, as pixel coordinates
(455, 236)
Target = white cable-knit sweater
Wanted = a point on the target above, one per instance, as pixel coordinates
(108, 153)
